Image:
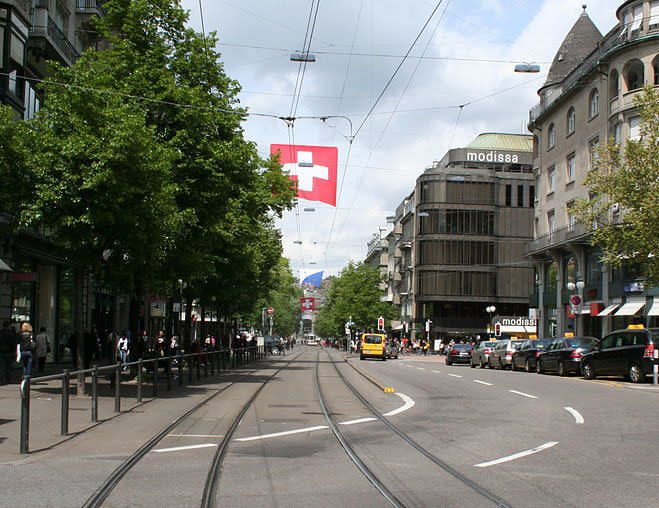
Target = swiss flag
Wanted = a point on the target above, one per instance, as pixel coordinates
(314, 169)
(307, 304)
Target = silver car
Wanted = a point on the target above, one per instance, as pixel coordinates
(502, 355)
(481, 354)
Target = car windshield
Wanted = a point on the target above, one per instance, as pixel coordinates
(540, 343)
(517, 344)
(489, 345)
(581, 342)
(372, 339)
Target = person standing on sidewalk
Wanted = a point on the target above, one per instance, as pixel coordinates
(123, 349)
(9, 350)
(27, 349)
(43, 347)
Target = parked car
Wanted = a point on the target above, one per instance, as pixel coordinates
(391, 348)
(481, 354)
(627, 352)
(502, 355)
(459, 353)
(563, 355)
(525, 357)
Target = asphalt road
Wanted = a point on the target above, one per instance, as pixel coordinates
(532, 440)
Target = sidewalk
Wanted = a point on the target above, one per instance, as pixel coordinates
(46, 400)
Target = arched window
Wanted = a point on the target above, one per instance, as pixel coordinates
(614, 84)
(594, 104)
(571, 121)
(551, 137)
(634, 75)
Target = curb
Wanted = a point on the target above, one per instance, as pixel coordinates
(381, 386)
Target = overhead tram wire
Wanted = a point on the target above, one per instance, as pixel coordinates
(402, 95)
(329, 238)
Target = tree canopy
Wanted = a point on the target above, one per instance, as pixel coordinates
(356, 292)
(623, 209)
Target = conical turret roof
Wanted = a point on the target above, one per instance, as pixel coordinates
(577, 45)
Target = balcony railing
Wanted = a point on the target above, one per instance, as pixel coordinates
(573, 233)
(60, 40)
(90, 5)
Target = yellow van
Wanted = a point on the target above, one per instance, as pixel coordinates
(373, 345)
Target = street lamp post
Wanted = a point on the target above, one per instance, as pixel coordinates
(490, 309)
(576, 302)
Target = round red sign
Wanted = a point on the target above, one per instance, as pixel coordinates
(271, 310)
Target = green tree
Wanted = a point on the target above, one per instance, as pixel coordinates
(356, 292)
(624, 190)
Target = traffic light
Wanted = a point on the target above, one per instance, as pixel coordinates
(497, 330)
(380, 323)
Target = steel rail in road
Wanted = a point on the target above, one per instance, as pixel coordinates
(470, 483)
(102, 493)
(215, 471)
(388, 494)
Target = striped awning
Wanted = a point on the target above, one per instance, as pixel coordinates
(630, 308)
(609, 310)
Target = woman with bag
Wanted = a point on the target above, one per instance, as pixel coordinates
(27, 349)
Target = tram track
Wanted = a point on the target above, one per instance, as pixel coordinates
(210, 488)
(370, 475)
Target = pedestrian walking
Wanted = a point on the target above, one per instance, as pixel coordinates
(43, 347)
(27, 349)
(9, 350)
(123, 349)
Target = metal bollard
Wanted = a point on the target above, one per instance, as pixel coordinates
(117, 388)
(64, 417)
(155, 377)
(140, 365)
(25, 415)
(190, 360)
(213, 357)
(95, 394)
(168, 366)
(198, 367)
(180, 370)
(206, 365)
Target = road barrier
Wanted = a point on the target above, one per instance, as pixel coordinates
(219, 360)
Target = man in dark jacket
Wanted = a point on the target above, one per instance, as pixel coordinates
(9, 341)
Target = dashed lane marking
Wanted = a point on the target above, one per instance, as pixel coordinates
(437, 371)
(454, 375)
(191, 447)
(518, 455)
(523, 394)
(482, 382)
(195, 435)
(575, 413)
(421, 368)
(285, 433)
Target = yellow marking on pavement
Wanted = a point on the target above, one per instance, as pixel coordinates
(389, 389)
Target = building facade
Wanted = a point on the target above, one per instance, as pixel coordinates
(41, 289)
(587, 99)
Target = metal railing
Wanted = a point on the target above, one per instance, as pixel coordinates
(90, 5)
(570, 233)
(217, 361)
(60, 40)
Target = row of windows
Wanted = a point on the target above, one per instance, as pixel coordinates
(571, 120)
(463, 222)
(457, 283)
(520, 195)
(456, 252)
(464, 192)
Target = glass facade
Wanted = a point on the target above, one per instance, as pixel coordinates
(457, 283)
(464, 222)
(456, 252)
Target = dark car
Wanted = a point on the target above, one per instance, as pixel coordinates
(563, 355)
(525, 357)
(626, 352)
(501, 356)
(481, 354)
(459, 353)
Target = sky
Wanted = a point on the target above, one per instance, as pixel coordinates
(470, 49)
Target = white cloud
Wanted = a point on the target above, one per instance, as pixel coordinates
(515, 30)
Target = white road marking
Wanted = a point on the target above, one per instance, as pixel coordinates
(409, 402)
(524, 394)
(360, 420)
(436, 372)
(421, 368)
(195, 435)
(285, 433)
(576, 414)
(454, 375)
(482, 382)
(518, 455)
(191, 447)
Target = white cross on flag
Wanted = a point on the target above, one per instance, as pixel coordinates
(313, 168)
(307, 304)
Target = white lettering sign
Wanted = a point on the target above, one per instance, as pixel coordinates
(493, 156)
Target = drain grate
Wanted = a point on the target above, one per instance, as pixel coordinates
(136, 411)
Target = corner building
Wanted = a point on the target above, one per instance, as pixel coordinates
(588, 98)
(473, 216)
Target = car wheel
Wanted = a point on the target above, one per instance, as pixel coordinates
(448, 362)
(396, 357)
(588, 371)
(561, 369)
(489, 363)
(538, 366)
(472, 365)
(635, 373)
(384, 358)
(482, 364)
(527, 365)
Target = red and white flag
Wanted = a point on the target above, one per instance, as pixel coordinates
(307, 304)
(314, 168)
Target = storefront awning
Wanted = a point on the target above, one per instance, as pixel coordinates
(397, 328)
(609, 310)
(630, 308)
(4, 267)
(654, 310)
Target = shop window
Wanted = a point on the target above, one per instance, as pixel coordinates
(520, 195)
(594, 104)
(551, 221)
(509, 195)
(571, 121)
